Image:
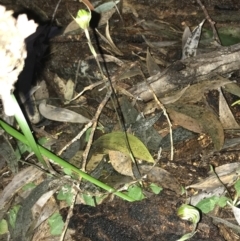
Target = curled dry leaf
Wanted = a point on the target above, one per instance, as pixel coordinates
(190, 47)
(64, 88)
(108, 36)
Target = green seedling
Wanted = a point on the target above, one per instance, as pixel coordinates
(155, 188)
(136, 192)
(89, 131)
(29, 186)
(13, 215)
(65, 194)
(56, 224)
(208, 204)
(26, 131)
(3, 226)
(92, 201)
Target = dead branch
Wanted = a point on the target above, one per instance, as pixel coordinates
(192, 70)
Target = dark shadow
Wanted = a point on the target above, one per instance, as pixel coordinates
(96, 17)
(37, 46)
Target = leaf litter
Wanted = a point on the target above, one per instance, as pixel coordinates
(186, 107)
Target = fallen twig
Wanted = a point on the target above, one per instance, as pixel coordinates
(94, 121)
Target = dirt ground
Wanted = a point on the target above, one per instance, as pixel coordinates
(143, 26)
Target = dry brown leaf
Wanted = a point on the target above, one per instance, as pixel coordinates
(160, 176)
(112, 44)
(44, 208)
(174, 96)
(121, 163)
(69, 90)
(65, 88)
(185, 121)
(195, 92)
(73, 26)
(107, 58)
(152, 67)
(225, 114)
(208, 121)
(232, 88)
(60, 114)
(93, 162)
(42, 91)
(160, 44)
(228, 174)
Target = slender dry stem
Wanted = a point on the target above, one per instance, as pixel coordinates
(164, 112)
(70, 213)
(78, 136)
(212, 23)
(95, 121)
(89, 87)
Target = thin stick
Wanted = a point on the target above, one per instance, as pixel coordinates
(212, 23)
(95, 119)
(78, 136)
(55, 11)
(70, 213)
(90, 87)
(164, 112)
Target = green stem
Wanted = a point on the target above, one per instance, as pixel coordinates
(26, 131)
(63, 163)
(92, 49)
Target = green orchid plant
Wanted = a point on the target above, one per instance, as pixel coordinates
(83, 20)
(190, 213)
